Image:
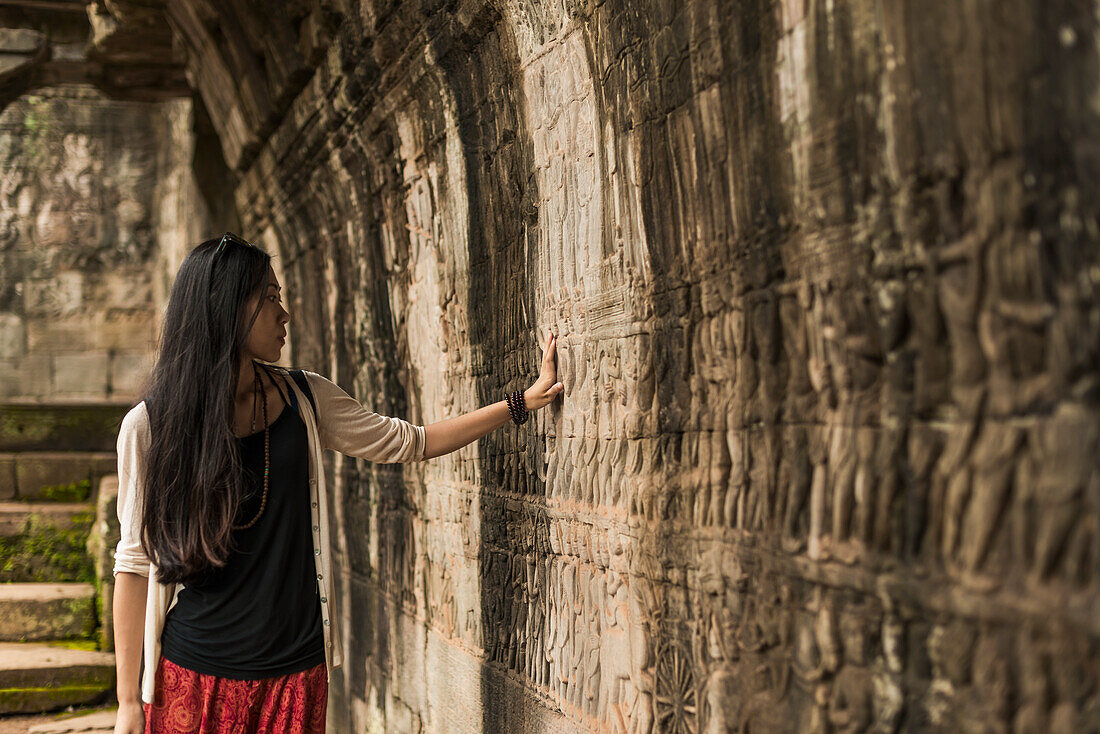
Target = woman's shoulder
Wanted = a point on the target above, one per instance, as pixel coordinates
(135, 423)
(317, 384)
(287, 372)
(137, 417)
(310, 375)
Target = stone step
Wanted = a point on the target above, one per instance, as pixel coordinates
(35, 426)
(103, 720)
(35, 677)
(13, 515)
(36, 612)
(46, 542)
(52, 476)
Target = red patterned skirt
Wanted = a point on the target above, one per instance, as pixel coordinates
(187, 702)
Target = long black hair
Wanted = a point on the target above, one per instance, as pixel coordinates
(192, 476)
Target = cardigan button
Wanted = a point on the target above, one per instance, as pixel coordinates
(319, 577)
(314, 527)
(317, 552)
(323, 600)
(326, 623)
(314, 504)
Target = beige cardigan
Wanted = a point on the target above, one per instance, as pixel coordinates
(342, 423)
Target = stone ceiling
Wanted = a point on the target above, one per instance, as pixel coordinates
(246, 64)
(123, 49)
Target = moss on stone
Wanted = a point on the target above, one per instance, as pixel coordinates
(83, 609)
(78, 491)
(43, 552)
(59, 427)
(46, 698)
(76, 643)
(97, 615)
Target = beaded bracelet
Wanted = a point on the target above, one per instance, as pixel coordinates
(517, 407)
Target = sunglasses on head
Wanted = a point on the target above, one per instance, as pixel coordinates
(230, 237)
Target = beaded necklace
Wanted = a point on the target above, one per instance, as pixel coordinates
(258, 387)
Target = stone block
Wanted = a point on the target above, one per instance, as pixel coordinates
(129, 370)
(107, 614)
(61, 295)
(16, 516)
(35, 677)
(20, 40)
(13, 336)
(36, 473)
(76, 332)
(126, 329)
(102, 542)
(11, 382)
(123, 288)
(80, 374)
(106, 531)
(46, 611)
(97, 721)
(7, 477)
(35, 376)
(60, 427)
(46, 542)
(102, 465)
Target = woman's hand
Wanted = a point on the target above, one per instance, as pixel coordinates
(130, 718)
(546, 388)
(443, 437)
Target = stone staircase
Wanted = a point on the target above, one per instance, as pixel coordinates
(55, 561)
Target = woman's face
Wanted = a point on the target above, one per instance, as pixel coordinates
(267, 337)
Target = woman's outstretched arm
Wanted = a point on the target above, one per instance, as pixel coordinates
(448, 435)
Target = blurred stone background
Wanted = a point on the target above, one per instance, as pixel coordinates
(77, 263)
(824, 275)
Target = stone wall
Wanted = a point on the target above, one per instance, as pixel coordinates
(96, 197)
(825, 278)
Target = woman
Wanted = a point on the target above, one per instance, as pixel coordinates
(222, 572)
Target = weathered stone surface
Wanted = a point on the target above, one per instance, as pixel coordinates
(80, 374)
(100, 330)
(98, 721)
(32, 376)
(13, 337)
(102, 542)
(60, 428)
(824, 278)
(45, 542)
(128, 372)
(812, 266)
(31, 612)
(40, 475)
(77, 257)
(37, 677)
(7, 477)
(13, 515)
(19, 40)
(123, 49)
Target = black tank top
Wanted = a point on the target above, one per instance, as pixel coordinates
(259, 616)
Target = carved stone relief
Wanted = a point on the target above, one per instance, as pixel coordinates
(824, 279)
